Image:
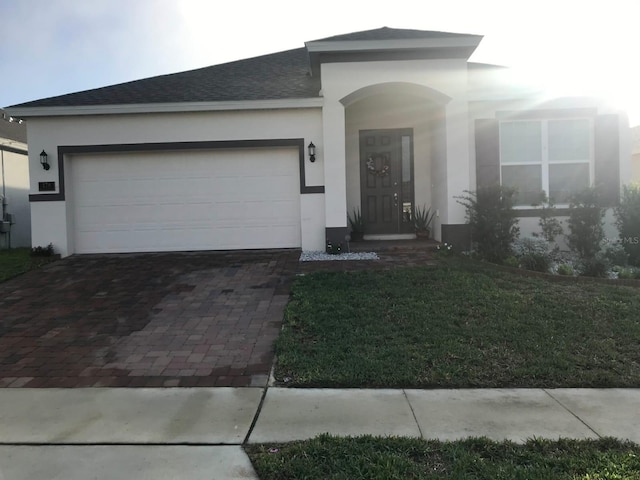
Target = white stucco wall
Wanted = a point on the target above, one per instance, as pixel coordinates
(439, 172)
(635, 168)
(49, 219)
(390, 111)
(442, 81)
(14, 179)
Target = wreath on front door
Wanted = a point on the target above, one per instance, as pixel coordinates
(375, 171)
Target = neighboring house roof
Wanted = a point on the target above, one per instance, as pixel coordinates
(283, 75)
(11, 130)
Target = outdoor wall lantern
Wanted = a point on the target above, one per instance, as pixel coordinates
(312, 152)
(44, 160)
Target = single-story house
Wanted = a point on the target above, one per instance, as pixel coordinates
(275, 151)
(15, 214)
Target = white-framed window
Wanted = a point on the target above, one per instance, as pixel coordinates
(550, 155)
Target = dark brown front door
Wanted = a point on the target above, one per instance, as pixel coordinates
(386, 180)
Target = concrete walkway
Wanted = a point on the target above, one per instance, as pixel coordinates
(197, 433)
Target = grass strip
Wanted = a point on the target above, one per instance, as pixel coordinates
(17, 261)
(327, 457)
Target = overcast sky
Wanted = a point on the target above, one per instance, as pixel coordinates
(51, 47)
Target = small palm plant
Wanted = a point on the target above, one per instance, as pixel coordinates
(357, 225)
(422, 221)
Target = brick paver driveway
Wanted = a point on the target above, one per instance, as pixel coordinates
(179, 319)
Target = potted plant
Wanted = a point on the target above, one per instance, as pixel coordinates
(357, 225)
(422, 221)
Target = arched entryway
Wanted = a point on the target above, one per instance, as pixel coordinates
(394, 141)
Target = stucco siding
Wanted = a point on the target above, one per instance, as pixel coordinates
(390, 112)
(14, 181)
(635, 168)
(50, 226)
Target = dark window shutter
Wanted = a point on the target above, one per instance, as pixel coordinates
(487, 153)
(607, 158)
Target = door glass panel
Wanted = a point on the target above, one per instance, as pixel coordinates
(406, 158)
(407, 204)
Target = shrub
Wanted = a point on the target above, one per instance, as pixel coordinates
(493, 221)
(42, 251)
(533, 253)
(445, 250)
(536, 262)
(565, 269)
(597, 266)
(628, 222)
(616, 254)
(530, 245)
(626, 273)
(585, 224)
(512, 261)
(550, 226)
(356, 221)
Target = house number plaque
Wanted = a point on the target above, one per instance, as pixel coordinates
(46, 186)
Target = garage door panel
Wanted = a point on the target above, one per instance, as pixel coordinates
(193, 201)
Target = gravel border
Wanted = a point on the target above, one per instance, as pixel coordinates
(314, 256)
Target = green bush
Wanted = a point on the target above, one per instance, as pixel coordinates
(565, 269)
(511, 261)
(616, 254)
(585, 224)
(597, 266)
(549, 224)
(626, 273)
(533, 253)
(536, 262)
(628, 222)
(42, 251)
(493, 221)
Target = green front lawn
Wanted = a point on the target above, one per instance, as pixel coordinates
(327, 457)
(14, 262)
(17, 261)
(458, 324)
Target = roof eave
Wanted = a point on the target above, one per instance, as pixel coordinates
(141, 108)
(400, 44)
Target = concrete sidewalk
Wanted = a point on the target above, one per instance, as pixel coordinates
(197, 433)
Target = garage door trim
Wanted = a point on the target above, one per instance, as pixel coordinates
(175, 146)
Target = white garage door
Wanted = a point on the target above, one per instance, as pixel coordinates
(204, 200)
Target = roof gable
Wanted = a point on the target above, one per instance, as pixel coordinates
(390, 44)
(386, 33)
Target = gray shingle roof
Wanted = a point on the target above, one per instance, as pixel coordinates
(268, 77)
(386, 33)
(283, 75)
